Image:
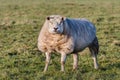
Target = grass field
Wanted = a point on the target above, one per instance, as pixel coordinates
(21, 21)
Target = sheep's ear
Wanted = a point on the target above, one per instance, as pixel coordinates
(48, 18)
(63, 18)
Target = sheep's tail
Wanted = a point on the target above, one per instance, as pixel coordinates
(94, 46)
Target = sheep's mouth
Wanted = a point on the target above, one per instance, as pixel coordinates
(56, 32)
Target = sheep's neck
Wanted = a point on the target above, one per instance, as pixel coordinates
(55, 39)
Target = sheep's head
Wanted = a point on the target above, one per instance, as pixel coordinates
(55, 24)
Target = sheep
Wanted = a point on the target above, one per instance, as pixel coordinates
(65, 36)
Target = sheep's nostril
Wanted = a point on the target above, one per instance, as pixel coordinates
(55, 28)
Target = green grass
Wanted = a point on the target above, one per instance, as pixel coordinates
(21, 21)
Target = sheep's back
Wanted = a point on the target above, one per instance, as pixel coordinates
(83, 32)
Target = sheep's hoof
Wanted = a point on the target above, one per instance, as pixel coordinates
(75, 69)
(44, 71)
(96, 68)
(62, 71)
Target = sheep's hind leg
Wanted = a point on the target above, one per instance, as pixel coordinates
(63, 59)
(48, 55)
(94, 49)
(94, 56)
(75, 61)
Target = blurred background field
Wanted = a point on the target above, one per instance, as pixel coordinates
(21, 21)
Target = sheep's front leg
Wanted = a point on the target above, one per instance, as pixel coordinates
(75, 61)
(48, 55)
(63, 59)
